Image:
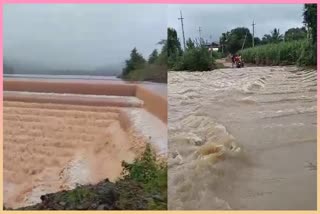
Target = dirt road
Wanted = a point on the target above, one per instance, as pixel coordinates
(242, 139)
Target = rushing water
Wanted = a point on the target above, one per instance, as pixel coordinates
(54, 147)
(242, 139)
(160, 88)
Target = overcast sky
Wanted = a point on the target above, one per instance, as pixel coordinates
(81, 36)
(216, 19)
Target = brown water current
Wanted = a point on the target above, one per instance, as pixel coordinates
(242, 139)
(53, 147)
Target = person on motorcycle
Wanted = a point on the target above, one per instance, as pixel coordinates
(238, 61)
(233, 59)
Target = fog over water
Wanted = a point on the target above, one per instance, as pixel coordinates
(93, 37)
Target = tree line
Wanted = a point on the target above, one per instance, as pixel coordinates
(296, 46)
(153, 69)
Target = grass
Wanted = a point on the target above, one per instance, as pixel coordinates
(284, 53)
(78, 195)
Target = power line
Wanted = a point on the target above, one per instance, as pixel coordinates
(181, 19)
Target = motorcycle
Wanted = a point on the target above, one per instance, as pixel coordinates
(239, 64)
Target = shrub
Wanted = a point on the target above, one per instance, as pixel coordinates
(152, 174)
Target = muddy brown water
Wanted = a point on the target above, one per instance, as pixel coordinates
(50, 145)
(242, 139)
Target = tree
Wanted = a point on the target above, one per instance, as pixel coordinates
(163, 56)
(173, 47)
(309, 52)
(197, 59)
(190, 44)
(223, 41)
(273, 37)
(310, 20)
(136, 61)
(236, 38)
(257, 41)
(276, 36)
(295, 34)
(153, 56)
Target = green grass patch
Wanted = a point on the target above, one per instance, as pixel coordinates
(299, 52)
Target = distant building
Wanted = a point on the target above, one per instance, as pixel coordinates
(213, 46)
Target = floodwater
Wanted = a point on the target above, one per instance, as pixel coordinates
(50, 147)
(159, 88)
(242, 139)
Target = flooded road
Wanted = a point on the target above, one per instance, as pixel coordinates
(242, 139)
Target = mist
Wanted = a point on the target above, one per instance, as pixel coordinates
(96, 38)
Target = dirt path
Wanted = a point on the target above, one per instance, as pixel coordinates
(242, 139)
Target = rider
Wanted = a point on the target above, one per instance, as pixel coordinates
(239, 60)
(233, 59)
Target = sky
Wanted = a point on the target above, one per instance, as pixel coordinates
(216, 19)
(82, 36)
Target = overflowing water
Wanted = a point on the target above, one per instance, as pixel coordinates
(50, 147)
(242, 139)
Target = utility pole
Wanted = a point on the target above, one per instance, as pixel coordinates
(253, 24)
(244, 41)
(181, 19)
(200, 35)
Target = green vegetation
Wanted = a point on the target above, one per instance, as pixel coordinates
(295, 34)
(143, 186)
(296, 47)
(234, 40)
(139, 69)
(152, 175)
(196, 57)
(78, 196)
(284, 53)
(310, 20)
(273, 37)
